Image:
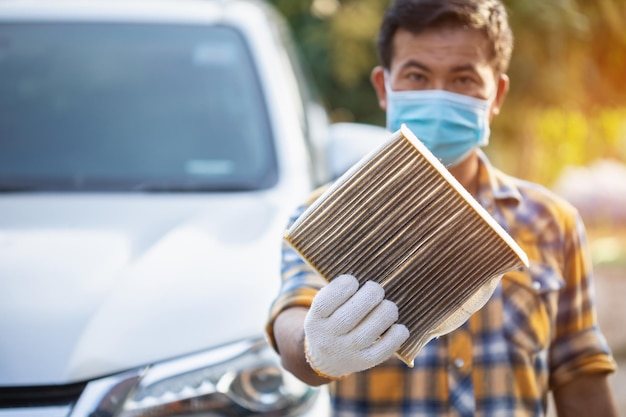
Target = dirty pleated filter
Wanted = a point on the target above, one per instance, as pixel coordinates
(399, 218)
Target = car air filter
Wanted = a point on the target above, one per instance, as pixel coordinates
(399, 218)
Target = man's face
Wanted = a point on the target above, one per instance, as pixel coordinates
(452, 59)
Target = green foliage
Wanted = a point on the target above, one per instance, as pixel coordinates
(555, 137)
(568, 53)
(337, 40)
(569, 137)
(568, 90)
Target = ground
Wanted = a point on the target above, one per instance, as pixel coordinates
(610, 290)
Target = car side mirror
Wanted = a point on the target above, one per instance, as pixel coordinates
(349, 142)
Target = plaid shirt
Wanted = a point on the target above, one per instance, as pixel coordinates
(537, 331)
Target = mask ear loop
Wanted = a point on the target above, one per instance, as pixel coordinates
(389, 93)
(386, 77)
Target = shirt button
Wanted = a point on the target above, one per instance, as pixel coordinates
(459, 363)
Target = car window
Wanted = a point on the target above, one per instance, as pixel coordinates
(131, 107)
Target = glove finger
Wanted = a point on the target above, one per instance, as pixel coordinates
(333, 295)
(384, 347)
(383, 316)
(354, 310)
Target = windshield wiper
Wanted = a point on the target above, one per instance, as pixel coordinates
(191, 188)
(142, 187)
(14, 188)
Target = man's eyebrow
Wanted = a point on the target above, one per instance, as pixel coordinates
(459, 68)
(415, 64)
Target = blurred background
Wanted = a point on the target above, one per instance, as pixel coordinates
(563, 124)
(567, 103)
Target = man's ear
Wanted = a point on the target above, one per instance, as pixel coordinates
(377, 77)
(502, 90)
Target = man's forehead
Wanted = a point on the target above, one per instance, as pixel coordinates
(452, 46)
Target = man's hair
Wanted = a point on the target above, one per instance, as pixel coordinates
(415, 16)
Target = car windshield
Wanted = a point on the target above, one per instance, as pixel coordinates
(132, 107)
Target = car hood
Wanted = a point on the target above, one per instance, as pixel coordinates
(98, 284)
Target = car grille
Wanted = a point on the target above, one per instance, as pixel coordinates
(40, 396)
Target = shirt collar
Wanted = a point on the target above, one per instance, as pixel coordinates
(493, 184)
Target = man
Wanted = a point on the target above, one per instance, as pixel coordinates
(442, 73)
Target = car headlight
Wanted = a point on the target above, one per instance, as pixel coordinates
(240, 379)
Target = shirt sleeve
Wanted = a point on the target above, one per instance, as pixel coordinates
(300, 283)
(579, 346)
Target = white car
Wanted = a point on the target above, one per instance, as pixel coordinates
(150, 155)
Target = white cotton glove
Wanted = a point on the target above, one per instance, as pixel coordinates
(348, 329)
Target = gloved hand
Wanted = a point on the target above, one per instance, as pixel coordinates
(348, 329)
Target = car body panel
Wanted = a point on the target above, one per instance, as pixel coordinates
(107, 283)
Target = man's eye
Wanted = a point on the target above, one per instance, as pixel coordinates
(416, 77)
(465, 80)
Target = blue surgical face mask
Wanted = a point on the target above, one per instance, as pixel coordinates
(450, 125)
